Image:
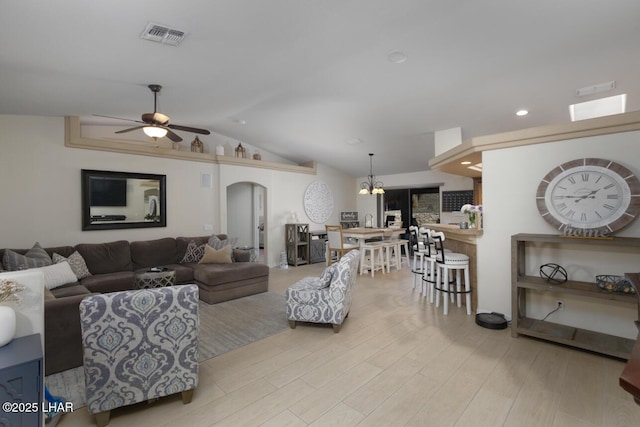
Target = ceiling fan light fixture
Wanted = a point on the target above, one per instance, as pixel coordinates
(154, 132)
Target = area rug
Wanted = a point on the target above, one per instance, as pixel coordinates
(223, 327)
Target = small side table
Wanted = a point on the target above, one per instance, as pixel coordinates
(154, 278)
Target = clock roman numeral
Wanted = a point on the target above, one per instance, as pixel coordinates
(585, 177)
(571, 180)
(599, 178)
(583, 216)
(561, 206)
(570, 213)
(606, 187)
(608, 207)
(612, 196)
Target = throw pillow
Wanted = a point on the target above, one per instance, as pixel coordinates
(76, 262)
(57, 275)
(216, 243)
(214, 256)
(35, 257)
(193, 253)
(327, 275)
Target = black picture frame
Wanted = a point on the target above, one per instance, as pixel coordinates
(120, 211)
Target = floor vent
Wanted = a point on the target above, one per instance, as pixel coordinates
(163, 34)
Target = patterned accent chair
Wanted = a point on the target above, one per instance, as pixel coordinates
(324, 299)
(139, 345)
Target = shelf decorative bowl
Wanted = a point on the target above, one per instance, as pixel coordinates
(612, 283)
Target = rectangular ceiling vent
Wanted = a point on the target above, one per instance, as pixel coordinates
(163, 34)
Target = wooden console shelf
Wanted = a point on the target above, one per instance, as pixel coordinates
(576, 337)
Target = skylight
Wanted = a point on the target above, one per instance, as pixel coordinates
(598, 107)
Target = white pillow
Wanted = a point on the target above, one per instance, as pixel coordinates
(57, 274)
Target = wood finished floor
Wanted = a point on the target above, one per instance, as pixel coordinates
(396, 362)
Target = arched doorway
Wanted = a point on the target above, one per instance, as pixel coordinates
(246, 217)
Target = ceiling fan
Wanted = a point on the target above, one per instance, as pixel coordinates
(156, 125)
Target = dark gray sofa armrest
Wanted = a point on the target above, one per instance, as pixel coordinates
(62, 335)
(240, 255)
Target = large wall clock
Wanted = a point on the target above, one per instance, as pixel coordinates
(589, 197)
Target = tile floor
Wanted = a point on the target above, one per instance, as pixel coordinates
(396, 362)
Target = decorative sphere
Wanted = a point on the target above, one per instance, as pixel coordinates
(553, 273)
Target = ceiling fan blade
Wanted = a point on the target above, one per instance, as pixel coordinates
(189, 129)
(155, 118)
(172, 136)
(130, 129)
(117, 118)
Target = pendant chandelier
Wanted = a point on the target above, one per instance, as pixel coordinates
(371, 186)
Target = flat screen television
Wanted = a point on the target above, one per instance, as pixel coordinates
(108, 191)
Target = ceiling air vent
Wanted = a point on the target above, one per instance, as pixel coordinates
(163, 34)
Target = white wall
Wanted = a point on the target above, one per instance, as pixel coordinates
(510, 179)
(41, 198)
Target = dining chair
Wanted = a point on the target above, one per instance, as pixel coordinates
(336, 243)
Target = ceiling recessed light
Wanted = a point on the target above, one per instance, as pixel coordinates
(397, 57)
(465, 162)
(522, 112)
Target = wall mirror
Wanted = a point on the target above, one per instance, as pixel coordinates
(112, 200)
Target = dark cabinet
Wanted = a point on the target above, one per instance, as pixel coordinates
(21, 381)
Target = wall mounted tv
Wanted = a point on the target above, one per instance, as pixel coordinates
(108, 191)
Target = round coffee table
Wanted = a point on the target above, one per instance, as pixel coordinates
(147, 278)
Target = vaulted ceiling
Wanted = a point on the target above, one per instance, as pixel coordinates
(305, 79)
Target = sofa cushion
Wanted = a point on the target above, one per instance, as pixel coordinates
(102, 258)
(76, 262)
(34, 257)
(216, 256)
(241, 255)
(111, 282)
(153, 253)
(69, 290)
(219, 274)
(184, 273)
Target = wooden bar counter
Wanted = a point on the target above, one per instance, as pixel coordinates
(462, 241)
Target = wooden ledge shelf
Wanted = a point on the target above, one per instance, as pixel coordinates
(74, 139)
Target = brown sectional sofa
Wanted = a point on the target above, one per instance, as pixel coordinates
(112, 267)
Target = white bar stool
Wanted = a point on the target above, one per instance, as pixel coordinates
(375, 250)
(393, 253)
(429, 264)
(419, 252)
(446, 262)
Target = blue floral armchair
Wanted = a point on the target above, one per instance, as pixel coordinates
(324, 299)
(139, 345)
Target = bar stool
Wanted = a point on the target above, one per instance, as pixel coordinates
(393, 253)
(419, 253)
(446, 262)
(429, 263)
(375, 250)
